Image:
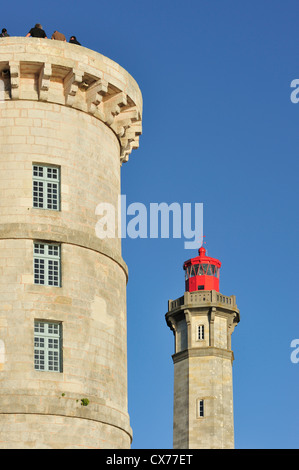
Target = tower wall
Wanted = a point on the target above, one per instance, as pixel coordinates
(198, 378)
(203, 385)
(181, 401)
(74, 109)
(212, 382)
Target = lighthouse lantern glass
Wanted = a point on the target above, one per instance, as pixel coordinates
(201, 270)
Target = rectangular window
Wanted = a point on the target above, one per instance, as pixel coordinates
(47, 346)
(201, 408)
(200, 332)
(46, 187)
(46, 264)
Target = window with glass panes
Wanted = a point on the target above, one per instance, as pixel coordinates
(47, 346)
(200, 405)
(46, 187)
(200, 332)
(46, 264)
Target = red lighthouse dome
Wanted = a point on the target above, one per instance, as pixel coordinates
(202, 272)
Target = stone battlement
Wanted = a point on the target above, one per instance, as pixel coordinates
(74, 76)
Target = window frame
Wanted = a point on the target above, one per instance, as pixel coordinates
(200, 332)
(200, 405)
(46, 344)
(45, 183)
(46, 265)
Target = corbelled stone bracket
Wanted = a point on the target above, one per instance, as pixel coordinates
(94, 95)
(14, 79)
(71, 83)
(86, 81)
(44, 81)
(111, 107)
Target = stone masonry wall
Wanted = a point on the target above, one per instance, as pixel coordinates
(70, 107)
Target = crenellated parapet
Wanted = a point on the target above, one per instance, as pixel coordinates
(74, 76)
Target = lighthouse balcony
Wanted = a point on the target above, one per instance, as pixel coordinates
(207, 297)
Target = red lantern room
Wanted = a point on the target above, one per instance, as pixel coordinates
(202, 272)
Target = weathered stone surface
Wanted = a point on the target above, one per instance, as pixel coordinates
(70, 107)
(77, 77)
(203, 369)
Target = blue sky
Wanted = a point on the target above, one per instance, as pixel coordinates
(219, 128)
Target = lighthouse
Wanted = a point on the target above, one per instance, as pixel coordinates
(202, 321)
(202, 272)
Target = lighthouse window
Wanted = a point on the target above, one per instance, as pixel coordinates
(195, 270)
(203, 269)
(200, 332)
(200, 408)
(46, 187)
(210, 272)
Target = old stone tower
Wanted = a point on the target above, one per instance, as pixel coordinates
(69, 117)
(203, 321)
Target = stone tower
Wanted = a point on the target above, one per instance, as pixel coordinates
(203, 321)
(69, 117)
